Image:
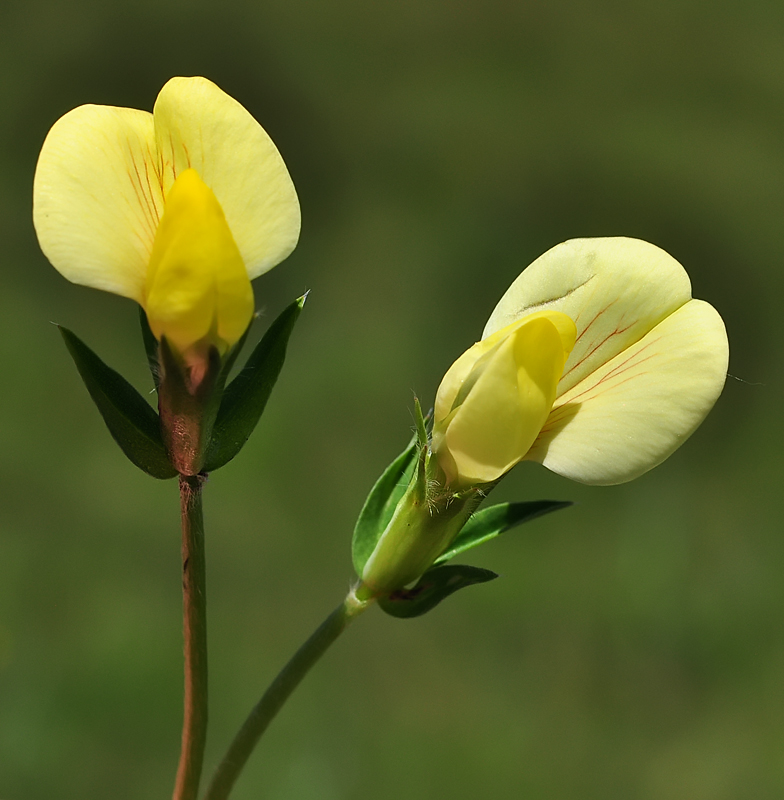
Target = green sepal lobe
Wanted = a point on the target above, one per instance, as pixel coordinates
(387, 492)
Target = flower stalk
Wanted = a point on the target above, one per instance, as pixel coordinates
(278, 692)
(194, 595)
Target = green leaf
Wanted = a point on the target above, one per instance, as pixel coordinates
(491, 522)
(130, 418)
(244, 399)
(380, 505)
(435, 585)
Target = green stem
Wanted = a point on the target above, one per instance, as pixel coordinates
(194, 600)
(278, 692)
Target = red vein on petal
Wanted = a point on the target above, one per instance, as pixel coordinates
(598, 345)
(155, 210)
(633, 360)
(173, 157)
(147, 220)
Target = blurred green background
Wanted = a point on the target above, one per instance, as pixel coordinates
(634, 646)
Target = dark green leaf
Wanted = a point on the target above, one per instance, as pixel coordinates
(491, 522)
(244, 399)
(432, 588)
(130, 418)
(150, 347)
(380, 505)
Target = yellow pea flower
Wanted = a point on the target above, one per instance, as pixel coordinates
(179, 209)
(647, 363)
(596, 363)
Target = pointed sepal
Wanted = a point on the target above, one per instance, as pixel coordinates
(491, 522)
(244, 399)
(380, 504)
(433, 587)
(133, 423)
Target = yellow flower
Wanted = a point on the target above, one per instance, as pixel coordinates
(647, 363)
(178, 209)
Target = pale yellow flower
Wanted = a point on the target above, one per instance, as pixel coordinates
(179, 209)
(647, 364)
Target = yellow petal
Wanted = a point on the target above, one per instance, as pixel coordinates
(503, 401)
(615, 289)
(197, 285)
(97, 198)
(453, 383)
(638, 408)
(197, 125)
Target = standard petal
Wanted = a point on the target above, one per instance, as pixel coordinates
(197, 125)
(97, 198)
(637, 409)
(504, 410)
(615, 289)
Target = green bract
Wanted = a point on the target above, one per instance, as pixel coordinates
(129, 417)
(433, 587)
(245, 398)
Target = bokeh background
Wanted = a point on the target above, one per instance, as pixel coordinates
(633, 647)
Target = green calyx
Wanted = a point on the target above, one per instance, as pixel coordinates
(188, 402)
(413, 524)
(422, 526)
